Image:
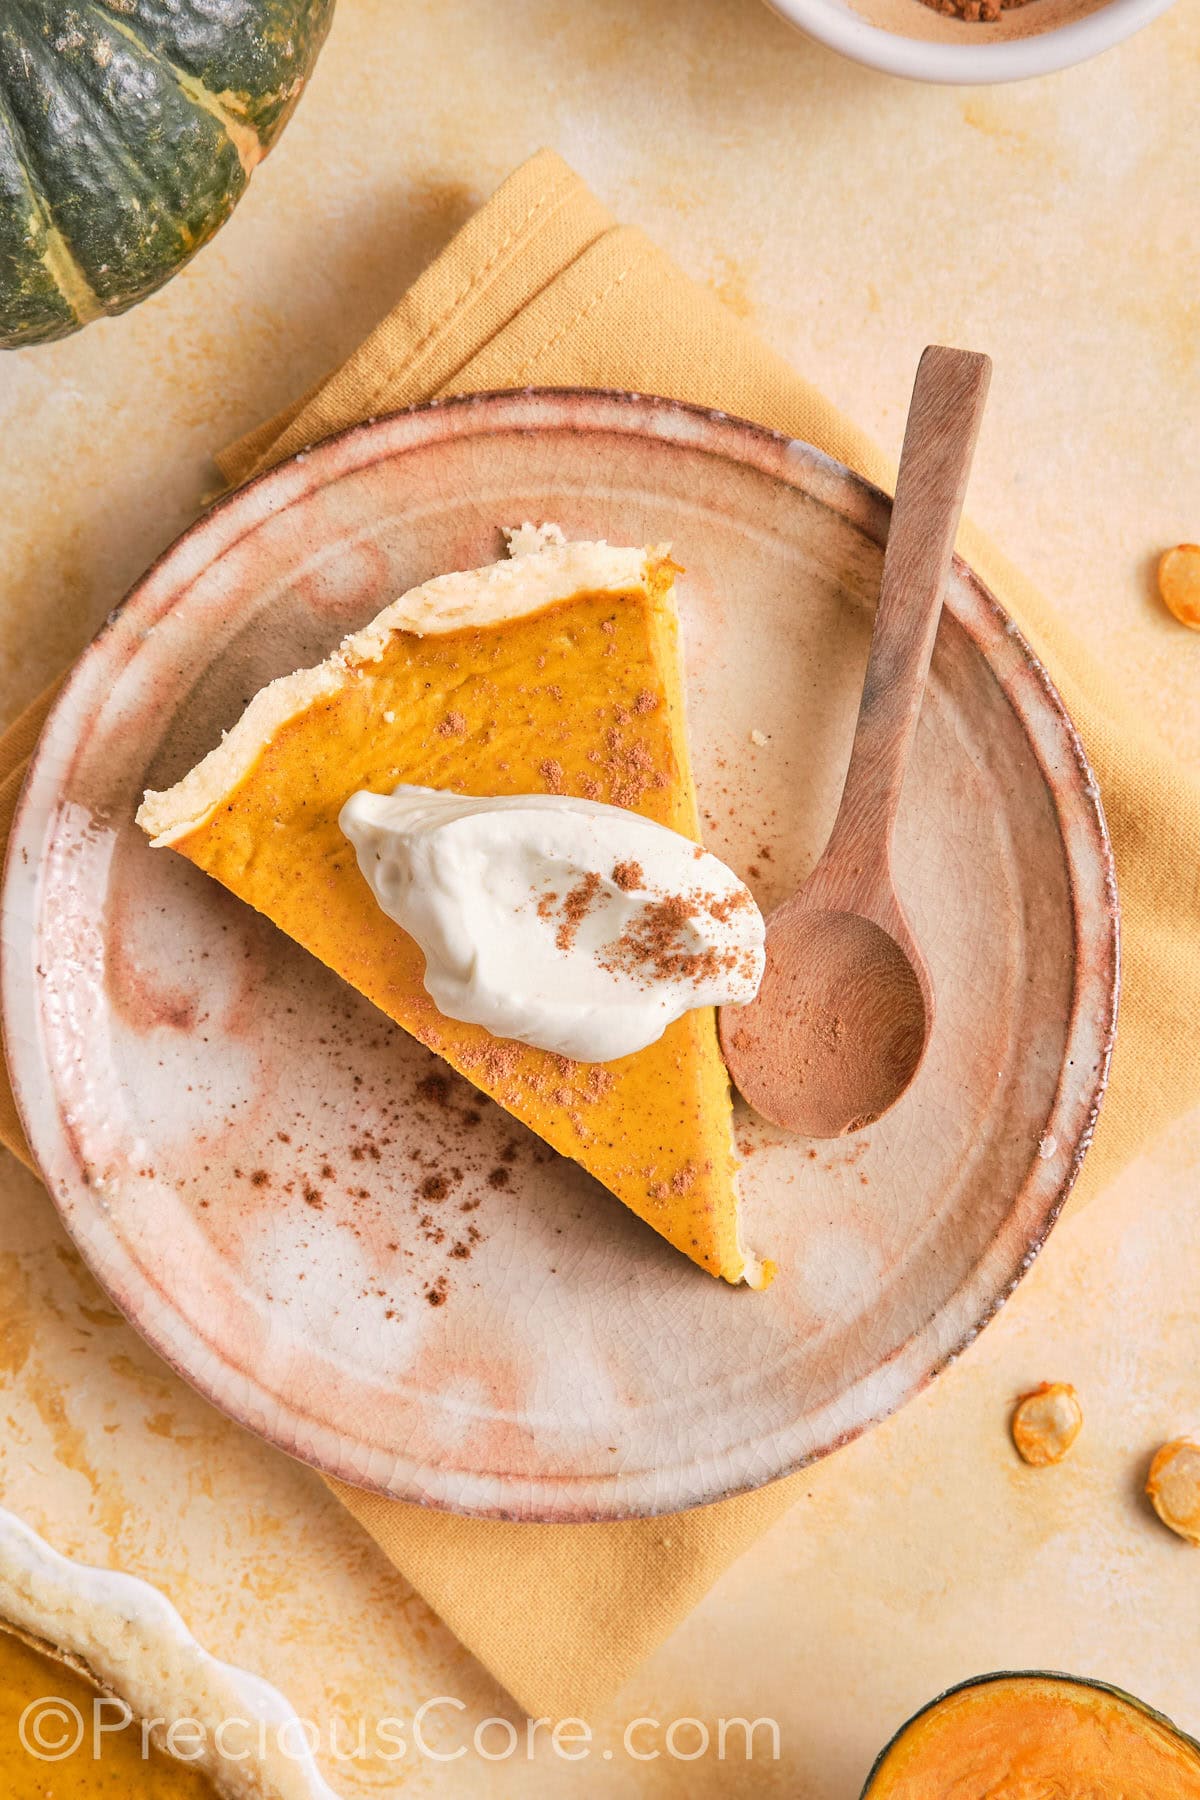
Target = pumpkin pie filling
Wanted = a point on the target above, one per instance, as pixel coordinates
(29, 1674)
(525, 678)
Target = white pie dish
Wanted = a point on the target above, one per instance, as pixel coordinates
(126, 1637)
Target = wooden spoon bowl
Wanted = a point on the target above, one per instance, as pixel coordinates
(840, 1027)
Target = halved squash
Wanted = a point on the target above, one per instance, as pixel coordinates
(128, 132)
(1035, 1734)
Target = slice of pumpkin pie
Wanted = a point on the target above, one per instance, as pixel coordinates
(556, 671)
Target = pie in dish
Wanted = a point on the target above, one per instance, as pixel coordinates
(557, 670)
(104, 1692)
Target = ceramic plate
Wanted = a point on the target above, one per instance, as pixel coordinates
(330, 1235)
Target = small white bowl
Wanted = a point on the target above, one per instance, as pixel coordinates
(955, 51)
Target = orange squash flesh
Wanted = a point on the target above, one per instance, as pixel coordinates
(1034, 1735)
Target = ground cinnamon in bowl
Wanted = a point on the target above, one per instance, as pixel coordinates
(974, 24)
(975, 11)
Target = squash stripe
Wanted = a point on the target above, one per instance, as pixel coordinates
(58, 259)
(242, 136)
(69, 278)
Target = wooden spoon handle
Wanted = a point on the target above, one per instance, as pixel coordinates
(939, 441)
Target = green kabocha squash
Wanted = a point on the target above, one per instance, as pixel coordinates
(1033, 1735)
(128, 132)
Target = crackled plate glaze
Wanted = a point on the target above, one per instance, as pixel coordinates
(329, 1234)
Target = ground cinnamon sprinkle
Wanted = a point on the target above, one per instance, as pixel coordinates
(629, 767)
(653, 943)
(599, 1081)
(551, 772)
(434, 1088)
(576, 904)
(500, 1059)
(681, 1182)
(453, 725)
(721, 909)
(629, 875)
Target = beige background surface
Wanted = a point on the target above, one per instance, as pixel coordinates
(851, 218)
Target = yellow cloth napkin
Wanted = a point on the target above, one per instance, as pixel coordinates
(542, 287)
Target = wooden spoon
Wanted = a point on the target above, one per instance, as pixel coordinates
(840, 1024)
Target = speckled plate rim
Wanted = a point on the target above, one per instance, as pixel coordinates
(1056, 748)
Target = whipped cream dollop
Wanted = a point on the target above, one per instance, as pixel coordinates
(564, 923)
